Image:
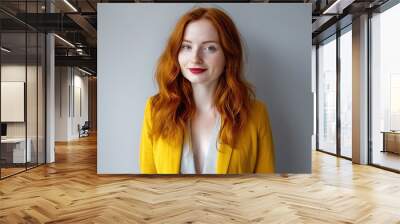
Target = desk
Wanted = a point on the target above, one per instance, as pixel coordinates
(391, 141)
(15, 148)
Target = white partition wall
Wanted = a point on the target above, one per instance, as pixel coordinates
(12, 98)
(71, 102)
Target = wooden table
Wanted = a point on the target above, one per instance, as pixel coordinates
(391, 141)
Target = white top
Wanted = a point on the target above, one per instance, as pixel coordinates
(187, 159)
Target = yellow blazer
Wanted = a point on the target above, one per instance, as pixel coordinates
(254, 152)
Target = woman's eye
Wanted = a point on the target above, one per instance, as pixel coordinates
(211, 48)
(186, 47)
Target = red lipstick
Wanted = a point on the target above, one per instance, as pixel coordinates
(197, 70)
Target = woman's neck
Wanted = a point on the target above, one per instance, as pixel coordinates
(203, 95)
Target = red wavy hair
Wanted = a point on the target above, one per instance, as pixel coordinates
(174, 105)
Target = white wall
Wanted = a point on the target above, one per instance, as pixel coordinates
(12, 101)
(69, 84)
(80, 110)
(15, 73)
(61, 103)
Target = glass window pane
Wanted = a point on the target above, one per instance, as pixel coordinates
(13, 86)
(386, 88)
(346, 94)
(22, 88)
(327, 96)
(31, 101)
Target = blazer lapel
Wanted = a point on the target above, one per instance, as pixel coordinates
(224, 153)
(175, 154)
(223, 158)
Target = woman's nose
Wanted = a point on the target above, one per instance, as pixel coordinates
(197, 56)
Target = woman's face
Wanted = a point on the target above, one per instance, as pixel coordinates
(201, 57)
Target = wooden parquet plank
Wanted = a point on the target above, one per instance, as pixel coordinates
(70, 191)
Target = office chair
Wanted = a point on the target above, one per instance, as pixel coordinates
(84, 130)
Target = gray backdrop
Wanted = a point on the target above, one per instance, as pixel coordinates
(132, 36)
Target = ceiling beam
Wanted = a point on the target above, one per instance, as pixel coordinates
(86, 26)
(84, 61)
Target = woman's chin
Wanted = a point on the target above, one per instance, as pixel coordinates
(197, 80)
(200, 82)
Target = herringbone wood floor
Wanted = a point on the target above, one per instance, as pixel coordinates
(70, 191)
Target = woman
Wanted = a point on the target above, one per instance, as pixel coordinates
(204, 118)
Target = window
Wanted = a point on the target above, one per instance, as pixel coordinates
(346, 93)
(385, 88)
(327, 95)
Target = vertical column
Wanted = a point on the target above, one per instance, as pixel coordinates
(314, 92)
(360, 90)
(50, 92)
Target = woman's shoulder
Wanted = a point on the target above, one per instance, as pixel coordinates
(259, 112)
(148, 106)
(258, 106)
(150, 101)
